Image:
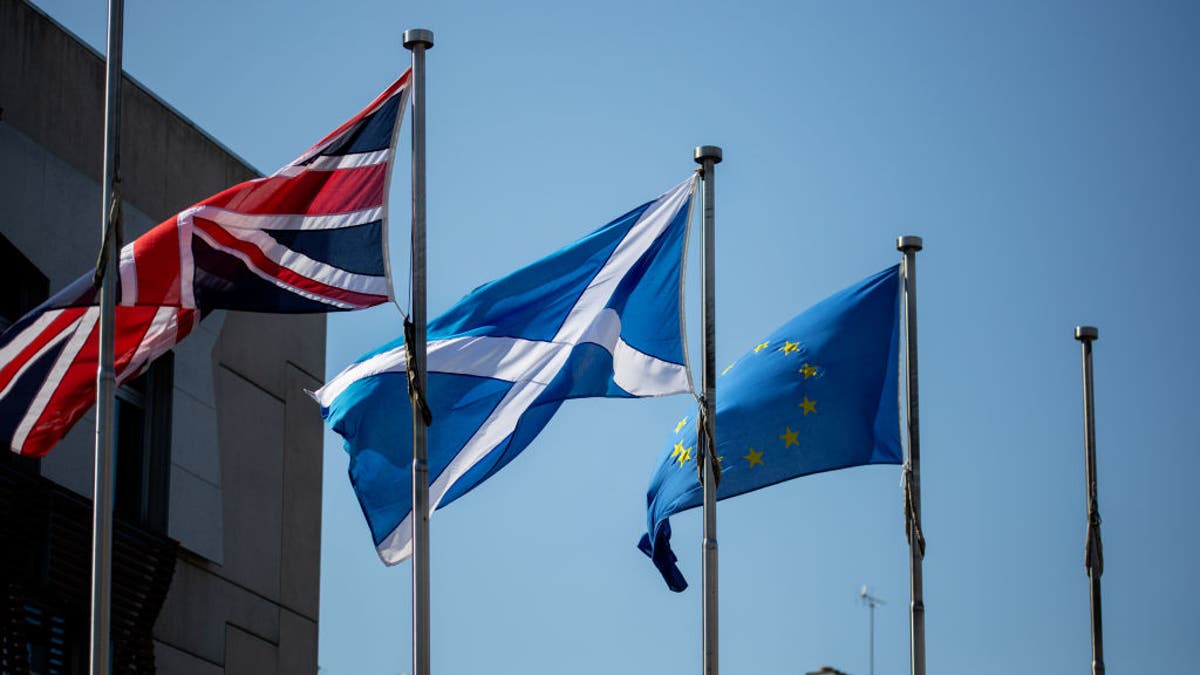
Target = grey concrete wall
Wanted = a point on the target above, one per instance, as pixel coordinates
(246, 449)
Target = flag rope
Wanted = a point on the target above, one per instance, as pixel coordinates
(912, 523)
(113, 229)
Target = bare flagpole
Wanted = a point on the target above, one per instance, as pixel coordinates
(909, 245)
(418, 40)
(1094, 551)
(101, 657)
(707, 156)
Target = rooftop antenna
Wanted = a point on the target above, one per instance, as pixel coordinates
(871, 602)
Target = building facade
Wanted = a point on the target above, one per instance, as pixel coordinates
(218, 508)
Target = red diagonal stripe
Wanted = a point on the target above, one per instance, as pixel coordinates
(75, 393)
(51, 331)
(310, 193)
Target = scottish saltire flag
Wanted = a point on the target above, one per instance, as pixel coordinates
(310, 238)
(600, 317)
(820, 393)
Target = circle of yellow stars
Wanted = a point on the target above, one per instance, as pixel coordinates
(683, 454)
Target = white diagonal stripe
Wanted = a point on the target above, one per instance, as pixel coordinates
(643, 375)
(397, 546)
(336, 221)
(313, 269)
(334, 163)
(269, 277)
(24, 339)
(498, 358)
(515, 360)
(21, 340)
(653, 222)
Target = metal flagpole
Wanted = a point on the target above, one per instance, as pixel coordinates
(909, 245)
(418, 40)
(707, 156)
(101, 658)
(1094, 554)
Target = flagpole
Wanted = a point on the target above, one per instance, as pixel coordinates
(418, 40)
(707, 156)
(909, 245)
(1093, 557)
(101, 658)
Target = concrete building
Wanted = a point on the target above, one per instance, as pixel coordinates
(217, 544)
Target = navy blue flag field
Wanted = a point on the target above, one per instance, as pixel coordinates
(818, 394)
(600, 317)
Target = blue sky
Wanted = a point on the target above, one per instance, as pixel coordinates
(1046, 151)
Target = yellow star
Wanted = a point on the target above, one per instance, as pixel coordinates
(789, 438)
(789, 347)
(684, 456)
(807, 371)
(728, 368)
(755, 457)
(761, 347)
(720, 459)
(809, 406)
(680, 425)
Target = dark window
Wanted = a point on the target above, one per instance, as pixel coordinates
(47, 646)
(22, 287)
(25, 287)
(143, 421)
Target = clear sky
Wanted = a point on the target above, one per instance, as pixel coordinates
(1049, 154)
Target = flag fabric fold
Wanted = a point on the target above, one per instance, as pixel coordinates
(818, 394)
(601, 317)
(309, 238)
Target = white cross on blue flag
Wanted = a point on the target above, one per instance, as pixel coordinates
(601, 317)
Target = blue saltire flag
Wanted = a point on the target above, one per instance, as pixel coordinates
(820, 393)
(600, 317)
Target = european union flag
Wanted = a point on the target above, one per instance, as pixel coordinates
(820, 393)
(600, 317)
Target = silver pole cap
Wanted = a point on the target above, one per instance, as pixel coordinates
(418, 36)
(704, 152)
(909, 242)
(1086, 333)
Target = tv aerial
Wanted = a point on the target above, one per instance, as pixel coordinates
(871, 601)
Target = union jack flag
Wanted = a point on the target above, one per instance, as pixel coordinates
(309, 238)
